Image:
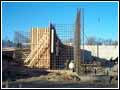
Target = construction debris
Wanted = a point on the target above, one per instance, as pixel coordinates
(58, 76)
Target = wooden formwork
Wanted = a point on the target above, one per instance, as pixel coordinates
(40, 49)
(41, 55)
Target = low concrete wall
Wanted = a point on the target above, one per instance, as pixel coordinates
(103, 51)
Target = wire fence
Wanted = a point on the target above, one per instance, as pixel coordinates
(63, 45)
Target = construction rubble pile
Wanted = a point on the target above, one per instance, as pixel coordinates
(61, 76)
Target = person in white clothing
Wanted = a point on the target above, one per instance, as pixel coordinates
(71, 65)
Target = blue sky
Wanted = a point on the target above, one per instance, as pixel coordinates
(101, 19)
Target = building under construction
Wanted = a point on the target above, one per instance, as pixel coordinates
(43, 48)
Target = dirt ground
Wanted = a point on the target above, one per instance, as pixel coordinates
(49, 84)
(62, 80)
(22, 77)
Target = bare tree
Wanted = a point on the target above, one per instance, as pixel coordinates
(110, 42)
(91, 41)
(100, 41)
(115, 42)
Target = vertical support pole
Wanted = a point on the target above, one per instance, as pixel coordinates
(31, 39)
(52, 39)
(50, 47)
(77, 43)
(37, 46)
(83, 32)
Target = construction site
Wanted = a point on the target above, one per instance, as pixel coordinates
(47, 55)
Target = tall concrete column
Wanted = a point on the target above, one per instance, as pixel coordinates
(77, 43)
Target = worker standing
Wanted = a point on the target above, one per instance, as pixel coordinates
(71, 66)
